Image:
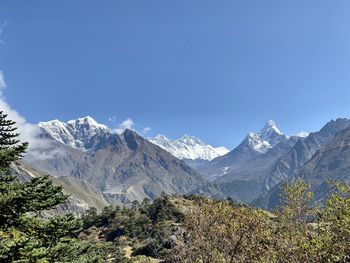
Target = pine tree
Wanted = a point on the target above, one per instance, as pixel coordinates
(10, 147)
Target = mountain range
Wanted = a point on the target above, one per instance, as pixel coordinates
(190, 149)
(320, 157)
(126, 167)
(78, 134)
(269, 142)
(251, 170)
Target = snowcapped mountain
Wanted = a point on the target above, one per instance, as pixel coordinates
(188, 147)
(247, 171)
(126, 166)
(80, 134)
(75, 133)
(302, 134)
(268, 137)
(269, 142)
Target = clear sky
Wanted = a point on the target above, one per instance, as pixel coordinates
(214, 69)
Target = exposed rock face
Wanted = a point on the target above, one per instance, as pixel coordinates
(320, 157)
(246, 179)
(247, 173)
(126, 166)
(330, 163)
(253, 146)
(303, 151)
(81, 195)
(75, 133)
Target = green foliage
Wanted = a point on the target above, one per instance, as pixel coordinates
(224, 231)
(34, 238)
(10, 148)
(333, 237)
(75, 250)
(17, 199)
(297, 202)
(298, 232)
(162, 209)
(146, 224)
(292, 231)
(219, 232)
(90, 218)
(15, 247)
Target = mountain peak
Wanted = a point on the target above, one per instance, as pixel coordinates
(161, 137)
(188, 139)
(75, 133)
(302, 134)
(267, 138)
(131, 131)
(188, 147)
(271, 126)
(88, 120)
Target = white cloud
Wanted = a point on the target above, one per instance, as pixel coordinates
(28, 132)
(146, 130)
(131, 125)
(127, 124)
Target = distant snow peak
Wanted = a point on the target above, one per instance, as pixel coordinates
(88, 121)
(188, 147)
(270, 127)
(302, 134)
(74, 133)
(190, 140)
(268, 137)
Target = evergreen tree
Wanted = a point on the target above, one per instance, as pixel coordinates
(10, 147)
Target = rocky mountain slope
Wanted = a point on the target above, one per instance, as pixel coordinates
(248, 179)
(254, 145)
(298, 160)
(81, 194)
(79, 132)
(330, 163)
(75, 133)
(259, 164)
(126, 166)
(302, 152)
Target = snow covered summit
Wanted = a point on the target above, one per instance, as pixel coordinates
(268, 137)
(188, 147)
(74, 133)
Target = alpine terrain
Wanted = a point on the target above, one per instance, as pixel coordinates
(125, 167)
(189, 148)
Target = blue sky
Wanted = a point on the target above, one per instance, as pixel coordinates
(214, 69)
